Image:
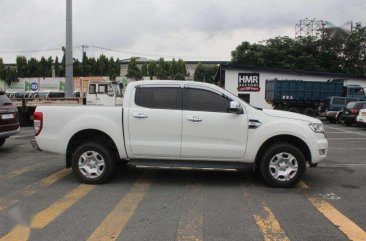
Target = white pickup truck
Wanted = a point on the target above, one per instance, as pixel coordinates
(180, 124)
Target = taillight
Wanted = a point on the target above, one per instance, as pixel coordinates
(354, 111)
(38, 122)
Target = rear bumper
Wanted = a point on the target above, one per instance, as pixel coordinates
(35, 145)
(9, 133)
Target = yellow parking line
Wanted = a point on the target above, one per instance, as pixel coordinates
(20, 171)
(32, 189)
(18, 233)
(302, 185)
(268, 225)
(116, 220)
(347, 226)
(47, 215)
(190, 225)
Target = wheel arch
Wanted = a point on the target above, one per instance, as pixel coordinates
(290, 139)
(88, 135)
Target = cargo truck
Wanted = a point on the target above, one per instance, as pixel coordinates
(307, 97)
(102, 93)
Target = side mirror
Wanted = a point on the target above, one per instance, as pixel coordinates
(235, 108)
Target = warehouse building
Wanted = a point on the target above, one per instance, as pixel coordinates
(248, 83)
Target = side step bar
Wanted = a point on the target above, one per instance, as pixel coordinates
(189, 164)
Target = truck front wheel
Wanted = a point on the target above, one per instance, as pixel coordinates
(282, 165)
(93, 163)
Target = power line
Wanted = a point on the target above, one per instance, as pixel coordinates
(33, 50)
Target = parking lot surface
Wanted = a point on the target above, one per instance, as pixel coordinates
(41, 200)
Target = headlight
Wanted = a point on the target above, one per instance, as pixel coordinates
(317, 127)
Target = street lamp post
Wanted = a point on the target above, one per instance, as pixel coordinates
(68, 57)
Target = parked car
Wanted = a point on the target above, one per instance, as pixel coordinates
(334, 107)
(9, 124)
(351, 112)
(180, 124)
(361, 118)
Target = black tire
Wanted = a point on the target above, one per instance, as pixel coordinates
(309, 112)
(331, 120)
(293, 109)
(340, 118)
(348, 123)
(2, 141)
(271, 153)
(103, 153)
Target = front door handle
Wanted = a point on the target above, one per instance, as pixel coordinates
(194, 119)
(140, 115)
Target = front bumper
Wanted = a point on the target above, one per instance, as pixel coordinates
(361, 119)
(319, 149)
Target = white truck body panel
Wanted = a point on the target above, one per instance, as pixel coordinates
(167, 134)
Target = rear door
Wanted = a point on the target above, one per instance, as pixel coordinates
(209, 131)
(155, 121)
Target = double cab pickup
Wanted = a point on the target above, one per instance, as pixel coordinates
(180, 124)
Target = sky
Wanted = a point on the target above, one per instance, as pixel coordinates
(187, 29)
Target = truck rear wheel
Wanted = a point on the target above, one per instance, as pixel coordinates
(93, 163)
(2, 141)
(282, 165)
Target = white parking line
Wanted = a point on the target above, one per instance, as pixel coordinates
(343, 138)
(347, 148)
(343, 130)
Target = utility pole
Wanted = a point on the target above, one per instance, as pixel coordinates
(68, 57)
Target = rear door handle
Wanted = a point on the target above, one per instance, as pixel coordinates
(194, 119)
(139, 115)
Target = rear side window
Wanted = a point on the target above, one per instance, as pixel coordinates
(4, 100)
(159, 97)
(204, 100)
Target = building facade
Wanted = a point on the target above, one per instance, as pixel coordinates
(248, 83)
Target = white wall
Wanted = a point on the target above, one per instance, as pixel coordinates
(258, 98)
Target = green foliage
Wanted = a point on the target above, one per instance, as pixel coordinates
(144, 69)
(163, 69)
(307, 53)
(205, 73)
(133, 71)
(22, 67)
(2, 70)
(152, 69)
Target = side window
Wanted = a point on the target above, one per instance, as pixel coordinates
(102, 89)
(92, 89)
(204, 100)
(159, 97)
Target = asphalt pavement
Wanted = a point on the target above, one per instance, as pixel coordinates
(41, 200)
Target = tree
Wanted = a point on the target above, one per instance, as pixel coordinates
(162, 70)
(57, 67)
(22, 68)
(133, 71)
(10, 75)
(77, 68)
(205, 73)
(144, 69)
(2, 70)
(33, 69)
(152, 69)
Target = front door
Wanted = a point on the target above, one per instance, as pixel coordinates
(209, 131)
(155, 121)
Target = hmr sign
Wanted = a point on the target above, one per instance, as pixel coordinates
(248, 82)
